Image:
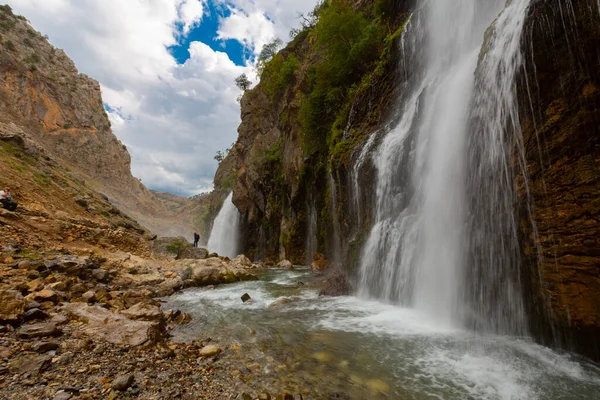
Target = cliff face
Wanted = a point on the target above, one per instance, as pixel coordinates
(42, 92)
(294, 139)
(560, 118)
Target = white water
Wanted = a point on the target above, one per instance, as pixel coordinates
(418, 250)
(224, 236)
(404, 348)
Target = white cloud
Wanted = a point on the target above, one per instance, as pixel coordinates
(173, 118)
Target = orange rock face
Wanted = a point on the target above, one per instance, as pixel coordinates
(560, 112)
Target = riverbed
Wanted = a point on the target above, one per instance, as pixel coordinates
(353, 348)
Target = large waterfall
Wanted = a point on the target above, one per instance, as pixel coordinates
(224, 236)
(444, 239)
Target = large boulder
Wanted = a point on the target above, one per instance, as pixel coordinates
(286, 264)
(144, 312)
(214, 271)
(12, 306)
(192, 253)
(102, 324)
(168, 248)
(39, 330)
(319, 264)
(337, 285)
(241, 261)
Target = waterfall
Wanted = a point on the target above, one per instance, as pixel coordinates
(311, 231)
(336, 244)
(419, 248)
(224, 236)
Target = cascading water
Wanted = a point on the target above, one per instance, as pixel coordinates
(224, 236)
(311, 231)
(419, 247)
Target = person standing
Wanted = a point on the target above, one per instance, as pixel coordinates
(196, 239)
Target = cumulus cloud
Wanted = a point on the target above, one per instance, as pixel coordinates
(172, 117)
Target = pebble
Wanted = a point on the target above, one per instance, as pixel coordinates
(209, 351)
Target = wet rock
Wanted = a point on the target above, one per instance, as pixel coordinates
(12, 306)
(337, 285)
(284, 300)
(209, 351)
(32, 364)
(144, 312)
(319, 264)
(123, 382)
(286, 264)
(39, 330)
(34, 313)
(44, 347)
(246, 297)
(113, 328)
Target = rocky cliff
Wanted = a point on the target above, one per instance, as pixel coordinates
(560, 119)
(317, 103)
(43, 94)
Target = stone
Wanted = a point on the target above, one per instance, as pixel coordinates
(241, 261)
(337, 285)
(246, 297)
(12, 306)
(123, 382)
(186, 273)
(36, 285)
(62, 395)
(100, 275)
(44, 296)
(39, 330)
(32, 265)
(32, 364)
(284, 300)
(144, 312)
(111, 327)
(285, 264)
(44, 347)
(192, 253)
(58, 286)
(209, 351)
(81, 201)
(89, 296)
(34, 313)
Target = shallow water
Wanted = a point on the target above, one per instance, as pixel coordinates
(360, 349)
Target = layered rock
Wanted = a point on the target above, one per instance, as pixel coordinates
(560, 119)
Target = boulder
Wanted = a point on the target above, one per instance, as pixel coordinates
(168, 248)
(285, 264)
(113, 328)
(192, 253)
(143, 312)
(246, 297)
(241, 261)
(12, 306)
(209, 351)
(284, 300)
(337, 285)
(319, 264)
(39, 330)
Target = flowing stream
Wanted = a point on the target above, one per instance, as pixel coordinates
(349, 348)
(224, 236)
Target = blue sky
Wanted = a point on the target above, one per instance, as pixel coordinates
(167, 71)
(206, 33)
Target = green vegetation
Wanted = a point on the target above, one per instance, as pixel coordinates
(176, 245)
(350, 43)
(10, 45)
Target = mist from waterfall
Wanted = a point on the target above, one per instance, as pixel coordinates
(420, 249)
(224, 236)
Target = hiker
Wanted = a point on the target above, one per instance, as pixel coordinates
(196, 239)
(7, 200)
